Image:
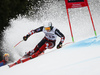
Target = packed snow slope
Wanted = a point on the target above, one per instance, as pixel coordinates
(80, 58)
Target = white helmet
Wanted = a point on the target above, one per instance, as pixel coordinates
(47, 24)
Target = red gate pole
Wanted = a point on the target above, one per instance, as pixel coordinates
(92, 21)
(70, 25)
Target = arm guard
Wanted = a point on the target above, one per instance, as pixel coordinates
(57, 32)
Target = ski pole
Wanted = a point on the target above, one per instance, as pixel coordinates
(18, 43)
(67, 43)
(62, 46)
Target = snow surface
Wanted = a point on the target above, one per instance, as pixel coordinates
(75, 59)
(79, 58)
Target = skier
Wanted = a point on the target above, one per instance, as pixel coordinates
(48, 42)
(5, 59)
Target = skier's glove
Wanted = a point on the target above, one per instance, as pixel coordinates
(59, 45)
(26, 37)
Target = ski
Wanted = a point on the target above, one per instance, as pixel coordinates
(11, 65)
(21, 60)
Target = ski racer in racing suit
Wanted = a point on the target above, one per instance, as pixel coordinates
(48, 42)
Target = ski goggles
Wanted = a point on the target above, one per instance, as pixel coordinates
(47, 28)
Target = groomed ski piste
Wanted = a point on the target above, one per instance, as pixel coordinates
(80, 58)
